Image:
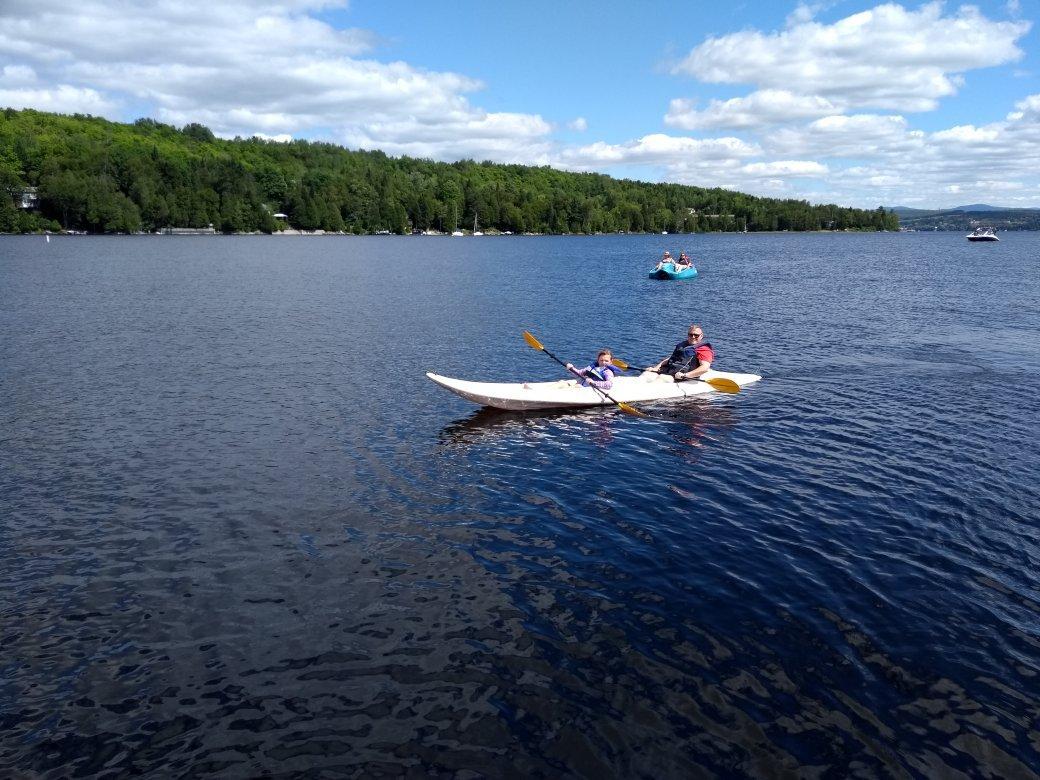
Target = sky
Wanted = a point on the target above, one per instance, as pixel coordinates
(928, 105)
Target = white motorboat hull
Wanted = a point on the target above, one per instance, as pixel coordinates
(563, 394)
(982, 235)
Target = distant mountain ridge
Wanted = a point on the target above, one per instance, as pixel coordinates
(968, 217)
(973, 208)
(980, 207)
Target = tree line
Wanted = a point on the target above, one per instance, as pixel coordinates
(94, 175)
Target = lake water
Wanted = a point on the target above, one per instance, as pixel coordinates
(241, 533)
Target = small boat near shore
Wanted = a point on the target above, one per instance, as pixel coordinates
(982, 234)
(564, 393)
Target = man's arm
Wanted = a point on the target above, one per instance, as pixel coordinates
(702, 367)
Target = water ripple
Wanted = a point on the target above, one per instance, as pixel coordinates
(243, 536)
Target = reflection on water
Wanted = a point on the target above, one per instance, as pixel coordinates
(698, 424)
(486, 424)
(230, 546)
(692, 423)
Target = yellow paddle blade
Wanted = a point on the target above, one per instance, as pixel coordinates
(532, 341)
(628, 409)
(723, 385)
(619, 363)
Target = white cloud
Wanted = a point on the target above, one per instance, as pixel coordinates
(812, 81)
(708, 162)
(17, 76)
(283, 138)
(272, 67)
(886, 57)
(998, 162)
(659, 149)
(579, 124)
(787, 168)
(968, 135)
(218, 33)
(1028, 109)
(859, 135)
(506, 137)
(871, 159)
(759, 109)
(17, 93)
(801, 14)
(20, 87)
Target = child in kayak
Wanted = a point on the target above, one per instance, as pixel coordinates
(599, 374)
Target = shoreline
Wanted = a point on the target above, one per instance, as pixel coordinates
(202, 232)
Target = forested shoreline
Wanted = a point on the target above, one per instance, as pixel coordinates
(89, 174)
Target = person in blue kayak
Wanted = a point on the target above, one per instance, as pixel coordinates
(683, 262)
(598, 374)
(689, 360)
(666, 259)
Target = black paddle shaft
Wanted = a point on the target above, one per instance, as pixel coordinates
(550, 354)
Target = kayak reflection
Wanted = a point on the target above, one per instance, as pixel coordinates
(698, 425)
(693, 425)
(488, 425)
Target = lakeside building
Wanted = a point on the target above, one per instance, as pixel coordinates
(28, 199)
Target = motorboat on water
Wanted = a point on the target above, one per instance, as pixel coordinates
(982, 234)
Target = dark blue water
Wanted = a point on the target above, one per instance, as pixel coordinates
(241, 534)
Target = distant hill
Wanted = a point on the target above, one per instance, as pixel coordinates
(979, 207)
(974, 208)
(967, 218)
(906, 211)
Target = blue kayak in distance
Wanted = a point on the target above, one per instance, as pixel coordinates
(669, 271)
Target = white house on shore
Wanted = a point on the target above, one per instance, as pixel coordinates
(29, 198)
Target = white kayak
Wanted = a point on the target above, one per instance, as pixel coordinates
(565, 393)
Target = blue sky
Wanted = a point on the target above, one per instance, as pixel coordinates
(858, 103)
(605, 61)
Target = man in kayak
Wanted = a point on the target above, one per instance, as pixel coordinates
(666, 259)
(599, 374)
(689, 360)
(683, 262)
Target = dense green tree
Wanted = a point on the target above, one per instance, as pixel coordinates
(199, 132)
(8, 216)
(101, 176)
